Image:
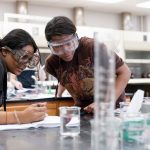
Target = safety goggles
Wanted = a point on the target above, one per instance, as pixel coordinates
(59, 48)
(24, 58)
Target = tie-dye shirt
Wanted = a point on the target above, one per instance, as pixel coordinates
(77, 76)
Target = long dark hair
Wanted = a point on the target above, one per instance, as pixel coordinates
(17, 39)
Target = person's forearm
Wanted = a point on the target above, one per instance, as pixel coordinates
(121, 84)
(13, 81)
(17, 84)
(11, 119)
(7, 118)
(60, 90)
(123, 75)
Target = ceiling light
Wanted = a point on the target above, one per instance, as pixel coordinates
(144, 4)
(107, 1)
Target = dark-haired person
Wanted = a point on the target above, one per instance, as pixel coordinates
(72, 63)
(24, 80)
(17, 51)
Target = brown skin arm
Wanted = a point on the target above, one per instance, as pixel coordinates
(34, 112)
(123, 75)
(10, 117)
(60, 90)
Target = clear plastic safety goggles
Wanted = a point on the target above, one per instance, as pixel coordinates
(59, 48)
(23, 57)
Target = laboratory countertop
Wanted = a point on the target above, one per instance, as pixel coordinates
(50, 139)
(46, 138)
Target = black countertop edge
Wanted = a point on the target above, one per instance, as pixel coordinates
(40, 99)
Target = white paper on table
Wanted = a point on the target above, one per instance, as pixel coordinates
(37, 96)
(23, 90)
(49, 121)
(136, 102)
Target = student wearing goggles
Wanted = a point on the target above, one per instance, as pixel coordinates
(17, 51)
(61, 47)
(30, 61)
(24, 57)
(73, 64)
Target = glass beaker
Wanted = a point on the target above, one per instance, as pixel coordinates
(69, 121)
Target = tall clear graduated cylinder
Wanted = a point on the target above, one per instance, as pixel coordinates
(105, 135)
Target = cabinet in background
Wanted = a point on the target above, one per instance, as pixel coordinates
(137, 57)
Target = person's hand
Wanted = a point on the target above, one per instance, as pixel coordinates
(35, 112)
(90, 108)
(18, 85)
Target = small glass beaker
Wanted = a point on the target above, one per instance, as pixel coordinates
(70, 121)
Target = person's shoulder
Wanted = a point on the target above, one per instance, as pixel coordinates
(85, 40)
